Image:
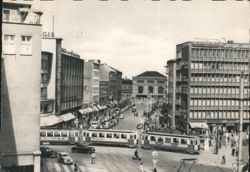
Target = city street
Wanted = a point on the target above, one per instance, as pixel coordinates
(117, 159)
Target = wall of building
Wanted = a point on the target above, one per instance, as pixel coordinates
(20, 98)
(88, 78)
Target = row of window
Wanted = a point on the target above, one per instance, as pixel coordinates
(16, 16)
(71, 92)
(218, 78)
(9, 44)
(71, 104)
(224, 53)
(222, 115)
(208, 102)
(150, 81)
(150, 90)
(218, 90)
(219, 66)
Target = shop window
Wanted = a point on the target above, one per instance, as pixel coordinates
(26, 45)
(150, 89)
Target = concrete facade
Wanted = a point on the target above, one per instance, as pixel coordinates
(149, 83)
(171, 96)
(208, 82)
(126, 88)
(20, 98)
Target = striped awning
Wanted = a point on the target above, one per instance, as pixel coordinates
(86, 110)
(198, 125)
(49, 120)
(95, 108)
(67, 117)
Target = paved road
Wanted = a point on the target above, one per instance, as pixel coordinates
(117, 159)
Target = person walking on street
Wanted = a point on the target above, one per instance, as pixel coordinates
(93, 158)
(141, 168)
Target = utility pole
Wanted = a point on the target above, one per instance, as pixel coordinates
(241, 121)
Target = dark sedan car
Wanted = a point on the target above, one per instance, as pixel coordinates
(47, 152)
(83, 148)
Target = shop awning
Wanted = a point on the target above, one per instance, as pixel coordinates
(67, 117)
(198, 125)
(86, 110)
(104, 107)
(49, 120)
(99, 107)
(95, 108)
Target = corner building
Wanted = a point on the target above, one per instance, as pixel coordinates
(208, 83)
(20, 88)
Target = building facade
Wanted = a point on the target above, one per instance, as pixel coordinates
(126, 88)
(61, 84)
(95, 80)
(149, 83)
(208, 83)
(20, 91)
(116, 84)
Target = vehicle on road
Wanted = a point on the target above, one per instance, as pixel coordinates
(82, 148)
(95, 124)
(121, 116)
(134, 109)
(171, 142)
(136, 157)
(64, 158)
(47, 152)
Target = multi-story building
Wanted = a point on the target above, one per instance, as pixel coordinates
(208, 83)
(149, 83)
(61, 84)
(126, 88)
(171, 72)
(20, 88)
(116, 84)
(95, 81)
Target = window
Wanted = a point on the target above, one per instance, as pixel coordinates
(101, 134)
(183, 141)
(150, 89)
(140, 81)
(160, 90)
(64, 134)
(140, 89)
(56, 134)
(109, 135)
(176, 140)
(50, 134)
(151, 81)
(94, 134)
(26, 45)
(152, 138)
(168, 140)
(116, 135)
(123, 136)
(9, 44)
(42, 134)
(6, 15)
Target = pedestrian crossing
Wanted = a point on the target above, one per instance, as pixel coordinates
(51, 165)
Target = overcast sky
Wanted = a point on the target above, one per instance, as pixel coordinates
(138, 35)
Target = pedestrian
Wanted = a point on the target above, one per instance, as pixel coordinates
(155, 170)
(141, 167)
(75, 166)
(93, 158)
(223, 161)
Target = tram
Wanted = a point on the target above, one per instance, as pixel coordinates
(128, 138)
(56, 136)
(111, 137)
(171, 142)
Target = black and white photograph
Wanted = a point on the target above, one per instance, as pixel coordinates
(125, 86)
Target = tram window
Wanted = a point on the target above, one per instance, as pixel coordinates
(134, 136)
(56, 134)
(192, 142)
(160, 139)
(117, 136)
(76, 134)
(64, 134)
(176, 140)
(42, 134)
(131, 136)
(152, 138)
(123, 136)
(94, 134)
(87, 134)
(84, 134)
(168, 140)
(109, 135)
(101, 134)
(146, 137)
(71, 134)
(183, 141)
(50, 134)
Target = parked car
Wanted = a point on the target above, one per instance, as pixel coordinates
(82, 148)
(133, 109)
(95, 124)
(121, 116)
(64, 158)
(47, 152)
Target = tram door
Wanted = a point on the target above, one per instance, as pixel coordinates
(71, 137)
(146, 141)
(87, 137)
(131, 140)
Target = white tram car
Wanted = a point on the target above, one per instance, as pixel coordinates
(171, 142)
(165, 141)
